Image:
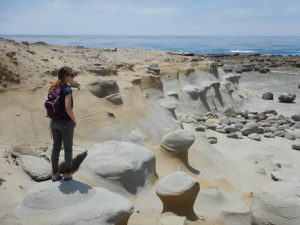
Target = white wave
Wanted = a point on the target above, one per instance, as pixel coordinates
(242, 51)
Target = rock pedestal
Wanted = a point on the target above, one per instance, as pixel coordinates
(178, 192)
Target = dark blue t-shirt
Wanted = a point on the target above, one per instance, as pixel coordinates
(65, 90)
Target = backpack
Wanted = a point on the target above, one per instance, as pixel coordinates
(53, 104)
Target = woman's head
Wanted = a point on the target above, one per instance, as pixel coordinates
(65, 74)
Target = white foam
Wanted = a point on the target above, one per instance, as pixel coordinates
(242, 51)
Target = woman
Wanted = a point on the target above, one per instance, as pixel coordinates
(63, 128)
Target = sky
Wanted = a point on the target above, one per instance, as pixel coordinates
(150, 17)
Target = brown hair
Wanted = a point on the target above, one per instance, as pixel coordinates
(62, 73)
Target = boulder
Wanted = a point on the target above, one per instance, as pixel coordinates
(232, 135)
(286, 97)
(212, 123)
(102, 88)
(296, 117)
(297, 125)
(264, 70)
(270, 111)
(200, 128)
(239, 126)
(269, 135)
(290, 136)
(280, 133)
(153, 69)
(255, 137)
(178, 141)
(178, 192)
(37, 168)
(277, 203)
(250, 128)
(121, 163)
(102, 70)
(267, 96)
(73, 202)
(115, 98)
(296, 147)
(231, 129)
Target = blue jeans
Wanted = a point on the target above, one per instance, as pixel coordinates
(62, 132)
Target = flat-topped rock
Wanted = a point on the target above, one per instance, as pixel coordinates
(125, 164)
(286, 97)
(178, 140)
(37, 168)
(178, 192)
(175, 184)
(277, 203)
(44, 200)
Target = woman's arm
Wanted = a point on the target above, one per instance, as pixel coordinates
(68, 106)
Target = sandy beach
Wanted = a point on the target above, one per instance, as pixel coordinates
(242, 150)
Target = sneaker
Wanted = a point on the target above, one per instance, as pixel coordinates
(68, 176)
(56, 176)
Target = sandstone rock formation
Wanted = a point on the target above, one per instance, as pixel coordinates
(48, 202)
(37, 168)
(277, 203)
(178, 141)
(121, 163)
(178, 192)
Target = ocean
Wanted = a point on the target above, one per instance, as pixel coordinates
(203, 45)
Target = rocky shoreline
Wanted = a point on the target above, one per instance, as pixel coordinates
(238, 63)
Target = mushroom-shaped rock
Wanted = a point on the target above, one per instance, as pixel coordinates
(102, 88)
(122, 163)
(178, 192)
(277, 203)
(286, 97)
(73, 202)
(178, 141)
(37, 168)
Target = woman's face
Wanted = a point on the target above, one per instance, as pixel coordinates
(70, 77)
